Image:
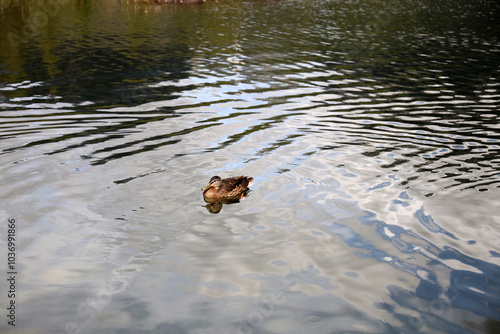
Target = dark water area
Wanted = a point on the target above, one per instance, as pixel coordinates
(371, 129)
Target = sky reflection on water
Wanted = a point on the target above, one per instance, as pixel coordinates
(371, 130)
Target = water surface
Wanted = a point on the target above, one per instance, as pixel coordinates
(371, 129)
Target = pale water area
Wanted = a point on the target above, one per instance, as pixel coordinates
(371, 129)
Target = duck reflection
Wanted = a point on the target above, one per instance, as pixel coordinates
(215, 204)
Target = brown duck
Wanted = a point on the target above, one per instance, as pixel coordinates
(232, 187)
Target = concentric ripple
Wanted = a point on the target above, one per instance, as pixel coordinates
(371, 129)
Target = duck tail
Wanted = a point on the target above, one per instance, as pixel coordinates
(250, 181)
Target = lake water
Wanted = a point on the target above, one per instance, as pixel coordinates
(372, 129)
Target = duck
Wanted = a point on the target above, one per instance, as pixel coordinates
(232, 187)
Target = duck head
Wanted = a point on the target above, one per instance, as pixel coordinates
(215, 182)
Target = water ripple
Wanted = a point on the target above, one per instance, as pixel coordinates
(371, 128)
(394, 126)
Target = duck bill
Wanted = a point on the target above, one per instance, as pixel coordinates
(208, 186)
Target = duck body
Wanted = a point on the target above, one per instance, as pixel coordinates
(232, 187)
